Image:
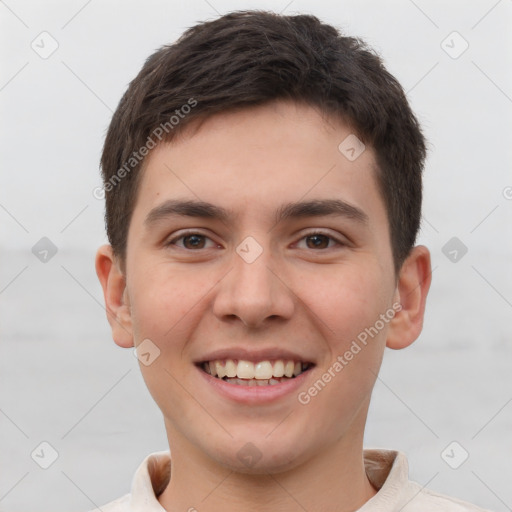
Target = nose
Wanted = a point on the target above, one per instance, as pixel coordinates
(254, 290)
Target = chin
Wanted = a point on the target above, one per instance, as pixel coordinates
(254, 455)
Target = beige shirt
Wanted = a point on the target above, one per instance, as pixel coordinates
(387, 470)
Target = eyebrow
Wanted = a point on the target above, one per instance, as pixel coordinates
(201, 209)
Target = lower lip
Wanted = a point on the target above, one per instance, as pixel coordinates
(255, 394)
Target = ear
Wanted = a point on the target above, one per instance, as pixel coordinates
(116, 297)
(411, 293)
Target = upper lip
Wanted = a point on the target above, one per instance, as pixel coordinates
(254, 356)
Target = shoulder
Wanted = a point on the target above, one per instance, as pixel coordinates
(149, 480)
(388, 471)
(422, 499)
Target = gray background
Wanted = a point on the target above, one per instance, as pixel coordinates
(64, 381)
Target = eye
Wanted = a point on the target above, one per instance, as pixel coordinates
(320, 240)
(191, 240)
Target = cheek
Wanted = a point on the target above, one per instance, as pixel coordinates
(347, 300)
(350, 304)
(349, 310)
(159, 313)
(161, 301)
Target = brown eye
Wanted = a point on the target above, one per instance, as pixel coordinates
(191, 241)
(318, 241)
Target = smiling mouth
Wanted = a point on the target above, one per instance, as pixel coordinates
(261, 373)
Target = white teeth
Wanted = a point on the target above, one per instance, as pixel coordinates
(245, 370)
(253, 382)
(219, 369)
(278, 369)
(288, 368)
(231, 369)
(263, 372)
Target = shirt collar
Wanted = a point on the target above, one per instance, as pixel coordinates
(387, 470)
(149, 482)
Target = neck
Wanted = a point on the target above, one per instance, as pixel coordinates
(332, 480)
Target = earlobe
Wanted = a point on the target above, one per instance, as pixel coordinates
(412, 289)
(116, 297)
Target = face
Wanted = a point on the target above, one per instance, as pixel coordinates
(284, 266)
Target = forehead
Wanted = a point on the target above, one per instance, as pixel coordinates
(253, 160)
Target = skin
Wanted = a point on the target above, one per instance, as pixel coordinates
(310, 295)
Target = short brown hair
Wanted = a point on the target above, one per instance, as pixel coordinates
(248, 58)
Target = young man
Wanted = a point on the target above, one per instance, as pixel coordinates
(263, 196)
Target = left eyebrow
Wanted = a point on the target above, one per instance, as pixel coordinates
(321, 208)
(201, 209)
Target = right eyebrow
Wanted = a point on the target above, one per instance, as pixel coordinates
(186, 208)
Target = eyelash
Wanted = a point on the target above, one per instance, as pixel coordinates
(306, 235)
